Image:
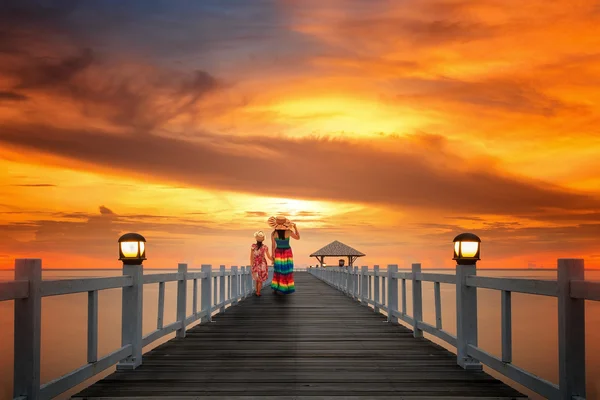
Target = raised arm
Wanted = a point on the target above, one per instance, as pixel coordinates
(295, 234)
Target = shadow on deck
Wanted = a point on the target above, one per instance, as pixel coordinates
(315, 343)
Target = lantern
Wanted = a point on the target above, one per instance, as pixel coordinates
(467, 247)
(132, 249)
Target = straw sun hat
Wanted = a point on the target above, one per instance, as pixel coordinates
(259, 236)
(280, 222)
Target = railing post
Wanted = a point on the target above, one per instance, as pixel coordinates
(392, 292)
(206, 293)
(222, 288)
(131, 316)
(181, 299)
(335, 277)
(383, 293)
(376, 287)
(234, 285)
(571, 331)
(356, 288)
(364, 284)
(27, 331)
(417, 294)
(466, 317)
(249, 281)
(348, 283)
(242, 282)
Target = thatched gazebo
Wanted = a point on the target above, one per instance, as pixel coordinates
(337, 249)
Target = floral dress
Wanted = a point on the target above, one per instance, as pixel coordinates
(259, 263)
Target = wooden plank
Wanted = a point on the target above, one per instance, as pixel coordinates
(309, 397)
(11, 290)
(530, 381)
(271, 345)
(157, 278)
(68, 286)
(521, 285)
(580, 289)
(66, 382)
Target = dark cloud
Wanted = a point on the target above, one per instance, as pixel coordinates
(503, 94)
(256, 214)
(12, 96)
(106, 211)
(91, 234)
(338, 169)
(35, 185)
(466, 218)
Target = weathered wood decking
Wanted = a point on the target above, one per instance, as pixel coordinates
(315, 343)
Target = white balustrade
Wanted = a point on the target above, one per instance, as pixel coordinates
(571, 289)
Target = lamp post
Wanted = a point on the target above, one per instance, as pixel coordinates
(467, 248)
(132, 252)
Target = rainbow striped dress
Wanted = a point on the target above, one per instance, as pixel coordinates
(283, 274)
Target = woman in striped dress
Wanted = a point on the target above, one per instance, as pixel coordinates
(283, 275)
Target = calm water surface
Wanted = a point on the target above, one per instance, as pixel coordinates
(64, 327)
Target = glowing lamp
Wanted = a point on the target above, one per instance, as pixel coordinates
(132, 249)
(466, 249)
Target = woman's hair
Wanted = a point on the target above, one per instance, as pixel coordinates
(281, 233)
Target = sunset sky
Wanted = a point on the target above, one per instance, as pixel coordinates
(391, 126)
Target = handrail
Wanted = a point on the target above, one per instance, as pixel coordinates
(570, 288)
(69, 286)
(28, 288)
(12, 290)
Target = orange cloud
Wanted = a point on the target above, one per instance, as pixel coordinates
(407, 121)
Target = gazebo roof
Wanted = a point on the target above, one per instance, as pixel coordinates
(337, 249)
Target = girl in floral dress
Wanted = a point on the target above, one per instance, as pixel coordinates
(258, 261)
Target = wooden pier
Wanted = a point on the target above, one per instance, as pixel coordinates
(337, 337)
(315, 343)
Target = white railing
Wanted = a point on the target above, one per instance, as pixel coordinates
(28, 288)
(570, 288)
